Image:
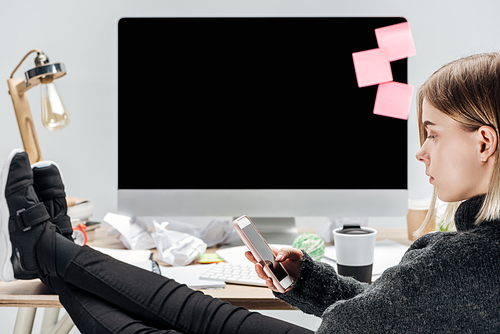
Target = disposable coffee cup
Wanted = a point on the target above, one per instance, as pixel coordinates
(354, 248)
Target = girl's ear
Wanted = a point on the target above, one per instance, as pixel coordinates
(488, 141)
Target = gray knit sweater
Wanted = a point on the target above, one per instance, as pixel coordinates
(447, 282)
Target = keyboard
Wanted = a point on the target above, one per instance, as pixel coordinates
(234, 273)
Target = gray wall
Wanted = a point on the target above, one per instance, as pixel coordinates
(83, 35)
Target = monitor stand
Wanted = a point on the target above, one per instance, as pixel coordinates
(282, 231)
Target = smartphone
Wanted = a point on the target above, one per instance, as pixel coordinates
(262, 253)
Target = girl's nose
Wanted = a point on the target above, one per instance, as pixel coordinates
(422, 155)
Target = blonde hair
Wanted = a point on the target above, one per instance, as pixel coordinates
(468, 91)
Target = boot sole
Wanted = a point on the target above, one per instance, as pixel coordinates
(6, 270)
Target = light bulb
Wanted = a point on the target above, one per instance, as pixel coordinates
(54, 114)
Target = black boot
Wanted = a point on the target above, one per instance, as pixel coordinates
(24, 221)
(50, 190)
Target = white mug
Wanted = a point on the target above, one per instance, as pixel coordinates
(354, 248)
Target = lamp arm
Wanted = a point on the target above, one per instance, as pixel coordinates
(17, 88)
(24, 58)
(25, 121)
(29, 123)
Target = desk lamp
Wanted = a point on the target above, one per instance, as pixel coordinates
(54, 114)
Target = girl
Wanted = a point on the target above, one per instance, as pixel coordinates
(446, 282)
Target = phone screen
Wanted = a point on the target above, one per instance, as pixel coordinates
(264, 251)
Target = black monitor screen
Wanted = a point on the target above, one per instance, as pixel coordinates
(253, 103)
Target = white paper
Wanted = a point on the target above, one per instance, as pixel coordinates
(132, 232)
(125, 255)
(138, 258)
(217, 232)
(190, 276)
(176, 248)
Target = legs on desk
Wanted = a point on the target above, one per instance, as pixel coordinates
(108, 296)
(101, 294)
(92, 314)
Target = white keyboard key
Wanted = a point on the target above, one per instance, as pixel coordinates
(234, 273)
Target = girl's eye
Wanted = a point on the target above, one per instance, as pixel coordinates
(431, 137)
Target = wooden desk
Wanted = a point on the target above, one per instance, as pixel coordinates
(33, 293)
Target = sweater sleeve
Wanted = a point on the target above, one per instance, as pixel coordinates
(318, 286)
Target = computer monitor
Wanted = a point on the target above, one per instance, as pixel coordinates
(260, 116)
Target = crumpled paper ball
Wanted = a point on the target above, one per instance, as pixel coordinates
(176, 248)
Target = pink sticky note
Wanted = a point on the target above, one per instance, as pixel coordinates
(393, 100)
(372, 67)
(397, 39)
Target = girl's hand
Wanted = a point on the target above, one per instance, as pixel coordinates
(290, 258)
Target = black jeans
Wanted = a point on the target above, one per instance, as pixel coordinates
(103, 295)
